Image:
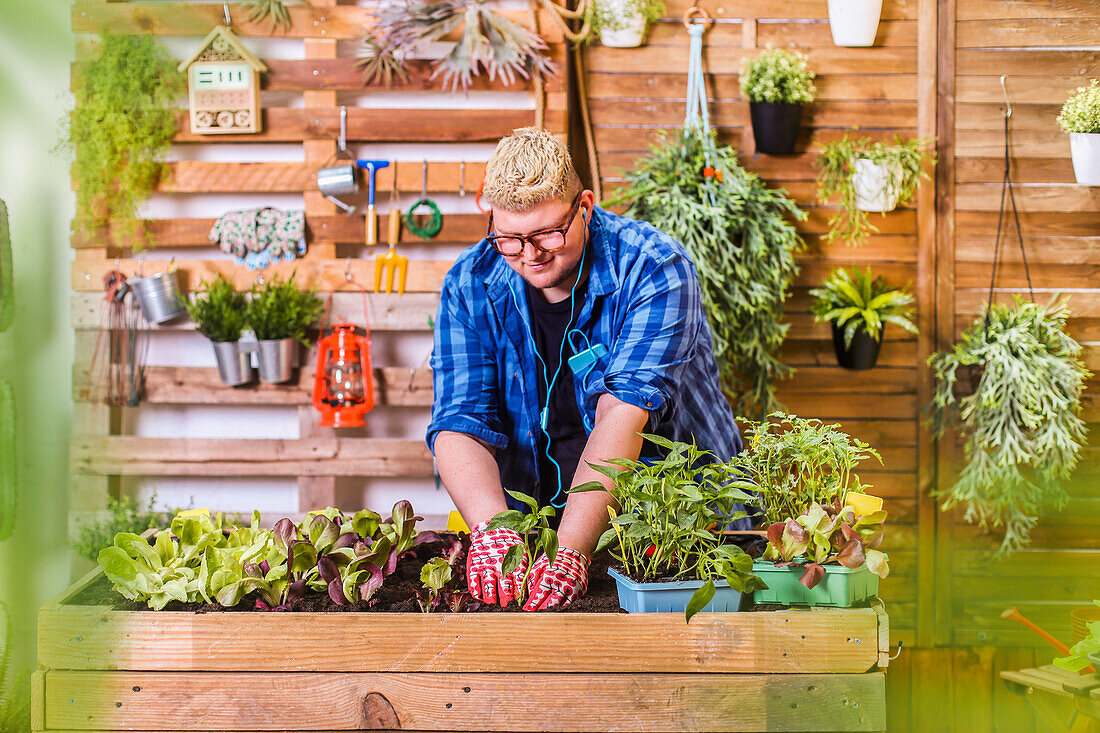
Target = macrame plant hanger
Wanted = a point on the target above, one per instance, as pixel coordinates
(1007, 198)
(696, 113)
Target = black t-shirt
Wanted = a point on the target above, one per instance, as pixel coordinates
(549, 324)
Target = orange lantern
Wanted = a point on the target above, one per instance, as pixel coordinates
(343, 385)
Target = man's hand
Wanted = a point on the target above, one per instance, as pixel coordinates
(484, 573)
(558, 585)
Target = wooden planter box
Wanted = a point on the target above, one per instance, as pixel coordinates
(108, 670)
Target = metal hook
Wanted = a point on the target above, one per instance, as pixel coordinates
(343, 140)
(347, 269)
(897, 653)
(1004, 90)
(462, 179)
(259, 277)
(424, 181)
(228, 19)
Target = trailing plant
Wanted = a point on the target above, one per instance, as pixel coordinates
(828, 533)
(791, 463)
(1078, 654)
(121, 515)
(855, 301)
(739, 234)
(279, 310)
(904, 161)
(777, 76)
(1022, 419)
(121, 126)
(273, 10)
(218, 310)
(489, 43)
(538, 537)
(670, 517)
(602, 18)
(1081, 112)
(15, 697)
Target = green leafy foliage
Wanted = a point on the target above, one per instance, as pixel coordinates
(538, 537)
(777, 76)
(489, 43)
(15, 693)
(828, 533)
(601, 18)
(1022, 420)
(738, 234)
(121, 126)
(278, 310)
(121, 515)
(792, 462)
(837, 164)
(670, 517)
(273, 10)
(1079, 652)
(218, 310)
(856, 301)
(1081, 112)
(440, 575)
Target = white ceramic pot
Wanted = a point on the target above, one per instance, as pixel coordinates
(1084, 149)
(854, 22)
(632, 26)
(877, 186)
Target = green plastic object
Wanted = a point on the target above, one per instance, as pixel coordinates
(7, 280)
(840, 588)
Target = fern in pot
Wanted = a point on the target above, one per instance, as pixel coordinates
(279, 314)
(622, 23)
(1020, 415)
(218, 310)
(869, 176)
(858, 307)
(776, 84)
(1080, 117)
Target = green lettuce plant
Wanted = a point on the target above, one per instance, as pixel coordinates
(218, 310)
(670, 517)
(791, 463)
(1081, 112)
(538, 537)
(440, 575)
(739, 234)
(278, 310)
(1021, 417)
(777, 76)
(855, 301)
(1080, 652)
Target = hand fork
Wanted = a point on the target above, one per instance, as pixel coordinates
(391, 264)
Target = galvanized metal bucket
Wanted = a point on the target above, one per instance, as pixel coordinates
(234, 363)
(277, 359)
(159, 296)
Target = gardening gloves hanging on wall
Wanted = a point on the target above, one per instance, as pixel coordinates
(484, 571)
(557, 585)
(260, 237)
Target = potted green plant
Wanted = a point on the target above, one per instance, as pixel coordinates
(279, 314)
(121, 126)
(218, 310)
(1019, 411)
(1080, 117)
(854, 22)
(858, 307)
(667, 533)
(622, 23)
(1085, 652)
(776, 84)
(868, 176)
(826, 556)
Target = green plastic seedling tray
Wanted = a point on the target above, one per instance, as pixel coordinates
(840, 588)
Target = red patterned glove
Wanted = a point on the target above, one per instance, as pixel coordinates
(558, 585)
(484, 574)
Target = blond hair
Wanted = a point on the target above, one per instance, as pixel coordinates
(528, 167)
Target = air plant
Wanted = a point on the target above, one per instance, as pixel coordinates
(489, 43)
(273, 10)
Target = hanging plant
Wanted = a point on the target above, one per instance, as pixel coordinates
(273, 10)
(622, 23)
(121, 126)
(1022, 420)
(738, 234)
(489, 44)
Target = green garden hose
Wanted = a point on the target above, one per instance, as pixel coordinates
(435, 223)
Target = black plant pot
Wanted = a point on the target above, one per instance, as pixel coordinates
(775, 126)
(861, 355)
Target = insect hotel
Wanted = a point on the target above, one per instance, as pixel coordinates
(223, 86)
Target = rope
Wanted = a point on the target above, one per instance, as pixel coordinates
(540, 83)
(696, 112)
(586, 121)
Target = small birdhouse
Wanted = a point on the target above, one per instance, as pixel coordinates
(223, 85)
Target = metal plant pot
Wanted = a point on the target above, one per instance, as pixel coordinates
(159, 296)
(234, 365)
(277, 359)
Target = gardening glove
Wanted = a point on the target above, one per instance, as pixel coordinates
(558, 585)
(484, 574)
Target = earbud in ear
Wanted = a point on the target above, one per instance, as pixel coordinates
(584, 216)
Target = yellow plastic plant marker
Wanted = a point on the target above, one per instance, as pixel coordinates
(202, 512)
(455, 523)
(864, 504)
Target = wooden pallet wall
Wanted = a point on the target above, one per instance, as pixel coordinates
(319, 75)
(636, 92)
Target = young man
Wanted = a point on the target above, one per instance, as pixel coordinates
(561, 335)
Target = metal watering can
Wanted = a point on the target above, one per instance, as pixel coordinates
(337, 178)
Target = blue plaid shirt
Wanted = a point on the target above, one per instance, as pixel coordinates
(642, 303)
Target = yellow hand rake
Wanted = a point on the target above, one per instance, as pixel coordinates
(391, 265)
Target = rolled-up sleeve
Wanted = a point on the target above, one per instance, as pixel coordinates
(464, 375)
(657, 337)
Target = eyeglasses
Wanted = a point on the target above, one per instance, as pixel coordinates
(545, 240)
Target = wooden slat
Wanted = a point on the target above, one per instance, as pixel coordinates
(1046, 224)
(639, 139)
(1027, 9)
(727, 87)
(1040, 250)
(670, 114)
(125, 455)
(343, 74)
(728, 60)
(1026, 33)
(253, 701)
(1028, 90)
(1033, 199)
(1048, 143)
(1035, 62)
(1024, 170)
(790, 9)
